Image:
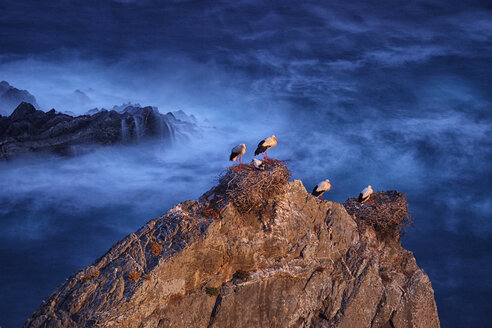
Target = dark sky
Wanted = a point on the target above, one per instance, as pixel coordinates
(397, 91)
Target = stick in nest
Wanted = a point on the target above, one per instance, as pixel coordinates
(388, 215)
(250, 189)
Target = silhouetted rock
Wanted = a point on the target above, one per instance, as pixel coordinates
(22, 112)
(30, 130)
(295, 262)
(11, 97)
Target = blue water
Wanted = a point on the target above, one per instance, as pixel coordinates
(60, 214)
(394, 94)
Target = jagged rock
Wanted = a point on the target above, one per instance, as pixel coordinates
(30, 130)
(182, 116)
(11, 97)
(297, 262)
(122, 107)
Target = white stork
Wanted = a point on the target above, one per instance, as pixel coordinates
(321, 188)
(264, 145)
(258, 164)
(365, 194)
(237, 152)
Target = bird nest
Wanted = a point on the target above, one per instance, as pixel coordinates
(250, 189)
(387, 212)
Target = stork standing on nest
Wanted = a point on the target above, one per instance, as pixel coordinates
(264, 145)
(236, 154)
(365, 194)
(321, 188)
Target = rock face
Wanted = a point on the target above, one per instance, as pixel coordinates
(11, 97)
(298, 262)
(30, 130)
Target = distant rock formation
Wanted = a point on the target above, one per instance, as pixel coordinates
(294, 261)
(30, 130)
(121, 107)
(11, 97)
(129, 107)
(180, 115)
(81, 96)
(79, 99)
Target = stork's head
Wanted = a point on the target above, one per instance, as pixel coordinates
(329, 184)
(273, 137)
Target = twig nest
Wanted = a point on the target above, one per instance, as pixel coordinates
(387, 213)
(250, 189)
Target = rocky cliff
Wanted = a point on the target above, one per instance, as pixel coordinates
(30, 130)
(222, 261)
(11, 97)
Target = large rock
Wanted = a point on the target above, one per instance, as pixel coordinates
(297, 262)
(30, 130)
(11, 97)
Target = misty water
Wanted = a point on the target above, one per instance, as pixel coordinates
(60, 214)
(396, 95)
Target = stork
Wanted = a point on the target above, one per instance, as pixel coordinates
(264, 145)
(321, 188)
(236, 154)
(258, 164)
(365, 194)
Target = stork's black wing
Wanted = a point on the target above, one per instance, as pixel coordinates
(233, 156)
(315, 192)
(261, 147)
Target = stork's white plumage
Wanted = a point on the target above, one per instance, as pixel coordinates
(258, 164)
(264, 145)
(365, 194)
(237, 152)
(321, 188)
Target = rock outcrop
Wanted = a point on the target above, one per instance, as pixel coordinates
(296, 262)
(30, 130)
(11, 97)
